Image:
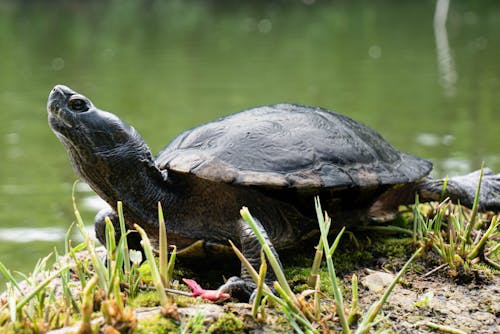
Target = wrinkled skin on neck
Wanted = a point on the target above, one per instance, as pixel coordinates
(107, 153)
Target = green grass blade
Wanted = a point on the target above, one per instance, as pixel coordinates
(443, 190)
(117, 266)
(494, 225)
(67, 237)
(6, 273)
(273, 261)
(339, 299)
(260, 285)
(336, 242)
(110, 249)
(475, 206)
(354, 300)
(162, 235)
(41, 265)
(316, 298)
(87, 306)
(123, 232)
(318, 257)
(416, 220)
(443, 328)
(171, 264)
(99, 266)
(251, 270)
(155, 273)
(11, 300)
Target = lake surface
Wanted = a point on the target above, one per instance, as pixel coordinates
(431, 91)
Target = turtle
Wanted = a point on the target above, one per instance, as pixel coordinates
(273, 159)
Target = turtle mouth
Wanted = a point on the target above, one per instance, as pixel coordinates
(57, 99)
(55, 116)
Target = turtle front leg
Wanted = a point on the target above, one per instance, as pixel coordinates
(133, 238)
(243, 287)
(463, 188)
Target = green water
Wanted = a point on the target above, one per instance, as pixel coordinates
(167, 67)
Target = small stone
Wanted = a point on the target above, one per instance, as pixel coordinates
(377, 281)
(485, 317)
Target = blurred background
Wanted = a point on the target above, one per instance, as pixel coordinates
(425, 74)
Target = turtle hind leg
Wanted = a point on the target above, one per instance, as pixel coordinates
(463, 188)
(385, 207)
(243, 287)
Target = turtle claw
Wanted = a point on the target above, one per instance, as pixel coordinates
(238, 288)
(198, 291)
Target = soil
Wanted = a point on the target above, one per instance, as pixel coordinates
(473, 307)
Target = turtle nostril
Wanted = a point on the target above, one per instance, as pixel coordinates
(57, 89)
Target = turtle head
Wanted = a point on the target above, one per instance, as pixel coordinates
(77, 122)
(104, 150)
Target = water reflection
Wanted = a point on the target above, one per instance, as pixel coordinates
(24, 235)
(93, 202)
(447, 73)
(27, 234)
(455, 165)
(431, 139)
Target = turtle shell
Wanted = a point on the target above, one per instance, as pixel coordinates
(293, 146)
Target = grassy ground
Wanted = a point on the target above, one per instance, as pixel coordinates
(430, 270)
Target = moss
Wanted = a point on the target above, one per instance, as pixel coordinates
(145, 271)
(145, 299)
(400, 248)
(345, 260)
(486, 271)
(156, 325)
(227, 323)
(183, 301)
(194, 324)
(297, 276)
(298, 280)
(393, 252)
(490, 244)
(348, 261)
(418, 267)
(151, 298)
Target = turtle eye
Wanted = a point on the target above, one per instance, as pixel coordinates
(78, 104)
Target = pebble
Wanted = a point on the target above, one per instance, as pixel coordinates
(377, 281)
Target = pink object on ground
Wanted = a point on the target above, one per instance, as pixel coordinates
(198, 291)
